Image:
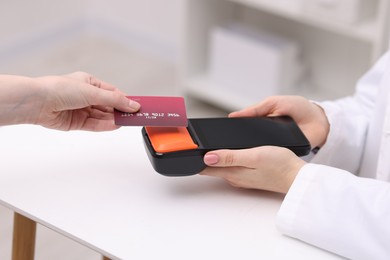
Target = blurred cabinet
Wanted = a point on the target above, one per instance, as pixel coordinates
(335, 52)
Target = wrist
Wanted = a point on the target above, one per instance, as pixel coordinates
(19, 100)
(292, 174)
(323, 127)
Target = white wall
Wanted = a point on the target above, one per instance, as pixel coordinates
(148, 23)
(24, 20)
(150, 19)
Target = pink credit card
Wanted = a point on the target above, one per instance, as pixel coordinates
(155, 111)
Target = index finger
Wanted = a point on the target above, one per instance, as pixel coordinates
(115, 99)
(264, 108)
(101, 84)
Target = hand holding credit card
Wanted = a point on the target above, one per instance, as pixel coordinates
(155, 111)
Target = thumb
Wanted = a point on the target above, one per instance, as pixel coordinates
(227, 158)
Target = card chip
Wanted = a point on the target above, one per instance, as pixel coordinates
(170, 139)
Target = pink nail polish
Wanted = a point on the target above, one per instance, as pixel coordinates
(211, 159)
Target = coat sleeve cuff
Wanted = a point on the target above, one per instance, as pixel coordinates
(294, 198)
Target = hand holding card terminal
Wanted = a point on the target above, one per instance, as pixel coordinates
(179, 151)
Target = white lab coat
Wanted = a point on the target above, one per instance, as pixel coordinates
(340, 201)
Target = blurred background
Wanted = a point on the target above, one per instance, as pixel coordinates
(221, 55)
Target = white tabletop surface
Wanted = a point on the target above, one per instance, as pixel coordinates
(100, 190)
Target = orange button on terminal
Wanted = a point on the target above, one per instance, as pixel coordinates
(170, 139)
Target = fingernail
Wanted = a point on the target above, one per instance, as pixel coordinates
(211, 159)
(134, 105)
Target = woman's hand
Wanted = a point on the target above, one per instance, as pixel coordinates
(269, 167)
(266, 168)
(77, 101)
(309, 116)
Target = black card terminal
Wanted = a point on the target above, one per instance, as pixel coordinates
(176, 151)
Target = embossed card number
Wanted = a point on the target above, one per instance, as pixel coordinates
(155, 111)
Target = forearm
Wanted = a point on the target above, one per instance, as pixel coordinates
(20, 100)
(350, 119)
(339, 212)
(347, 135)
